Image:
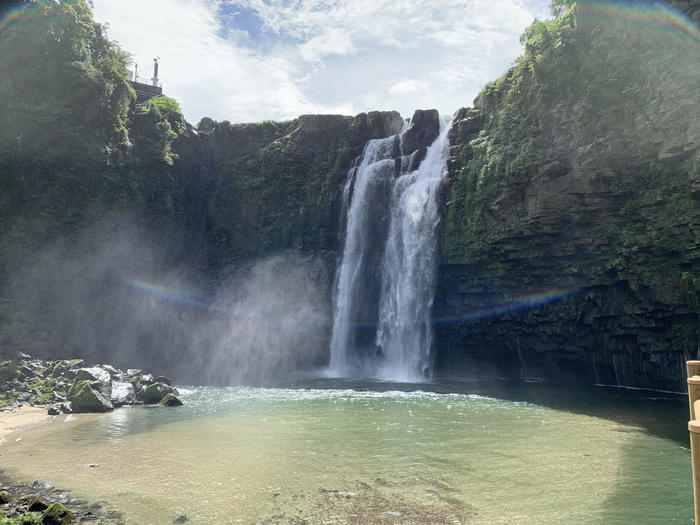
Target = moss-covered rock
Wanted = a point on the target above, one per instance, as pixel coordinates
(5, 497)
(30, 518)
(86, 399)
(57, 514)
(37, 504)
(153, 393)
(170, 400)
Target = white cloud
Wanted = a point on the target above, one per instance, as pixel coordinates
(326, 56)
(332, 42)
(407, 86)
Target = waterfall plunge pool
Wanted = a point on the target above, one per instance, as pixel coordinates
(329, 451)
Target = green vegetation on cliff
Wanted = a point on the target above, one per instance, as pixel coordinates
(96, 192)
(64, 89)
(283, 191)
(580, 169)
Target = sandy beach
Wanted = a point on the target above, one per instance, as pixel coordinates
(22, 418)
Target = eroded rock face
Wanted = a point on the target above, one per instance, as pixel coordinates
(424, 129)
(572, 227)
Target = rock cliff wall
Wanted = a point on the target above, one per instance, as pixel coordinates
(570, 243)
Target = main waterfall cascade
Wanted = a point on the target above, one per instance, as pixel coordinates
(386, 276)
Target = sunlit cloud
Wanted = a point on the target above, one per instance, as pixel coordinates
(275, 59)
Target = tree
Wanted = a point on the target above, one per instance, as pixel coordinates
(64, 93)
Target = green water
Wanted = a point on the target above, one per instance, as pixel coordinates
(371, 453)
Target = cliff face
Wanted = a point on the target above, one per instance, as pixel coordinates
(275, 186)
(81, 249)
(571, 235)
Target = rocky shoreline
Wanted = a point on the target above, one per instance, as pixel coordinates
(68, 386)
(42, 503)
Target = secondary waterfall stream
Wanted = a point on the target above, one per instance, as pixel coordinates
(386, 276)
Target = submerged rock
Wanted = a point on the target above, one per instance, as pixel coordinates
(42, 485)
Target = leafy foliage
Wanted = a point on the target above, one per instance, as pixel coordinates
(64, 89)
(154, 128)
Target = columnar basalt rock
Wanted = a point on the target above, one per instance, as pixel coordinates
(572, 230)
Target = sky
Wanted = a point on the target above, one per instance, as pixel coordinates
(252, 60)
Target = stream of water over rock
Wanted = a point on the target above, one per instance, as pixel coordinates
(386, 276)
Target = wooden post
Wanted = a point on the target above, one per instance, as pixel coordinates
(693, 368)
(694, 398)
(694, 428)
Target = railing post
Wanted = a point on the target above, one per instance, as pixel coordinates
(694, 428)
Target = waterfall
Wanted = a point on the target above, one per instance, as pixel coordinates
(386, 276)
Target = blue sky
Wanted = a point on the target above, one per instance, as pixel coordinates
(252, 60)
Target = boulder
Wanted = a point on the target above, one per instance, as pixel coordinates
(113, 372)
(84, 398)
(42, 485)
(154, 392)
(54, 410)
(164, 380)
(424, 129)
(99, 380)
(37, 504)
(57, 514)
(122, 393)
(170, 400)
(93, 374)
(4, 497)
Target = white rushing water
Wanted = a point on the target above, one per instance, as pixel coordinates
(386, 276)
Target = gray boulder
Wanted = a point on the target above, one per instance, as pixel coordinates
(93, 374)
(99, 380)
(123, 393)
(164, 380)
(113, 372)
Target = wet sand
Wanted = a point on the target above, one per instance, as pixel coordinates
(22, 418)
